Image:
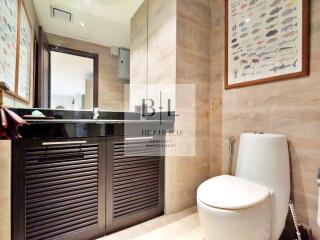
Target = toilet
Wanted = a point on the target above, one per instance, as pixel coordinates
(253, 204)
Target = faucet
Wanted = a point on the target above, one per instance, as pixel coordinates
(95, 113)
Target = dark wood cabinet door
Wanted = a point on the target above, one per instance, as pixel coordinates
(135, 184)
(58, 189)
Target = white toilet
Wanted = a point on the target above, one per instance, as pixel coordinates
(253, 205)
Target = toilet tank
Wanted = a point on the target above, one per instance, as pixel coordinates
(263, 158)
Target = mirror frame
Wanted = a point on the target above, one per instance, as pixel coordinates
(80, 53)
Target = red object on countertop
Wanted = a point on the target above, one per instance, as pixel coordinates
(10, 122)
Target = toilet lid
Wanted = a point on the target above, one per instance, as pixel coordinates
(228, 192)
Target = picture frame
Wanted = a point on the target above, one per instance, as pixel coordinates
(264, 45)
(19, 82)
(24, 74)
(9, 12)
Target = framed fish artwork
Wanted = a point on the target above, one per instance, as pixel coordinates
(8, 42)
(266, 41)
(24, 75)
(16, 47)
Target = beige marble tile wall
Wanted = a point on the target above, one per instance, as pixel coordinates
(5, 190)
(162, 67)
(290, 107)
(216, 86)
(162, 42)
(139, 45)
(139, 55)
(192, 67)
(111, 89)
(179, 52)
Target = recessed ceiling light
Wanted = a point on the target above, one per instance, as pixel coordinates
(248, 20)
(82, 24)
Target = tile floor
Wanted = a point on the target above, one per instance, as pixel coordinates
(181, 226)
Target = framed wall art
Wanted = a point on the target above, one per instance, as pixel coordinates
(8, 42)
(25, 55)
(16, 49)
(266, 40)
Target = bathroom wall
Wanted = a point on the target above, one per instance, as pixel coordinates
(5, 190)
(138, 56)
(139, 45)
(162, 42)
(153, 48)
(184, 174)
(111, 89)
(179, 52)
(289, 107)
(162, 68)
(9, 100)
(216, 85)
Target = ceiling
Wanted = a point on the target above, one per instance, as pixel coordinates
(105, 22)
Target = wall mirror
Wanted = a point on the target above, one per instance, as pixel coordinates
(85, 50)
(80, 54)
(72, 87)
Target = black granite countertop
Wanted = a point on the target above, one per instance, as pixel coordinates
(71, 116)
(92, 121)
(78, 124)
(81, 114)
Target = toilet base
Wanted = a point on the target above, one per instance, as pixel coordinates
(244, 224)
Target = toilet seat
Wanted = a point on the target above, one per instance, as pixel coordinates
(232, 193)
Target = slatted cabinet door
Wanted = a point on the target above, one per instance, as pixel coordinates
(58, 190)
(135, 184)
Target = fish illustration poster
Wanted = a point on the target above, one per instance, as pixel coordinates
(25, 56)
(8, 41)
(265, 39)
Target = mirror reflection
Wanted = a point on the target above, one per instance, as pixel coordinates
(75, 54)
(75, 31)
(71, 81)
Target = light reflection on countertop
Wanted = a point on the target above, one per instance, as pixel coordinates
(98, 121)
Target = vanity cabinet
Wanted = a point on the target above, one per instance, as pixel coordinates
(58, 189)
(135, 183)
(83, 188)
